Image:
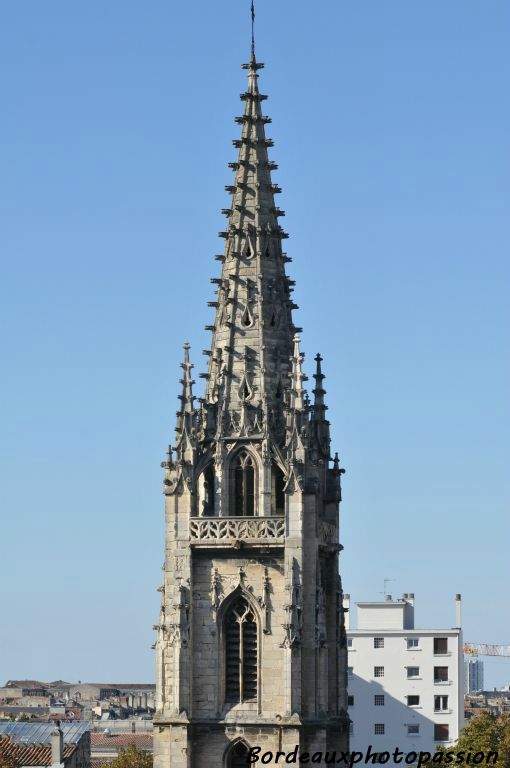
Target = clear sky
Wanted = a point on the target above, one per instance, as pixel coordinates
(391, 122)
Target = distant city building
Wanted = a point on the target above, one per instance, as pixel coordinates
(405, 685)
(46, 744)
(74, 701)
(496, 702)
(473, 675)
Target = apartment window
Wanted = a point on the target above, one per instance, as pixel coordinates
(378, 642)
(350, 701)
(379, 729)
(440, 703)
(440, 645)
(240, 653)
(350, 671)
(413, 729)
(413, 671)
(413, 642)
(440, 674)
(378, 671)
(379, 700)
(349, 642)
(441, 732)
(413, 701)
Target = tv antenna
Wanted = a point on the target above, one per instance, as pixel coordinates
(386, 582)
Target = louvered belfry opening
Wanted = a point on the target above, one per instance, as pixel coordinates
(209, 490)
(239, 756)
(241, 653)
(277, 491)
(244, 485)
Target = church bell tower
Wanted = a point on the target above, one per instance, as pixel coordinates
(251, 646)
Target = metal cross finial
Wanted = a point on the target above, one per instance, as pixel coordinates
(252, 31)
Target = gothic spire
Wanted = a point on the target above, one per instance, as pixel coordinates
(252, 340)
(186, 412)
(319, 407)
(296, 391)
(319, 423)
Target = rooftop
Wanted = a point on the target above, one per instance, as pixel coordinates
(40, 733)
(30, 754)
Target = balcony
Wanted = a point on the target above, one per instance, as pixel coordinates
(237, 532)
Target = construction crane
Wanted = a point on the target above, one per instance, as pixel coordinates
(484, 649)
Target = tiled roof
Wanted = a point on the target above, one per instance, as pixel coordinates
(116, 740)
(31, 754)
(99, 762)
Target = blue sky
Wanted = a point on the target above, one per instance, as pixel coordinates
(391, 123)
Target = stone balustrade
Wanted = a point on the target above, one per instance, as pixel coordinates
(232, 531)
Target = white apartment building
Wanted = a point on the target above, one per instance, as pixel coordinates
(405, 685)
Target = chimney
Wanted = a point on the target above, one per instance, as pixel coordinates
(346, 606)
(57, 745)
(458, 611)
(408, 601)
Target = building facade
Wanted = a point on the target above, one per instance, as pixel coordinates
(251, 645)
(473, 675)
(406, 685)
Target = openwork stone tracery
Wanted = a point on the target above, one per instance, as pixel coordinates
(251, 637)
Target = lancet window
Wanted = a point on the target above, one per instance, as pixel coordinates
(241, 653)
(206, 491)
(277, 492)
(243, 477)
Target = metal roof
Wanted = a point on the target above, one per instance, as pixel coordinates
(40, 733)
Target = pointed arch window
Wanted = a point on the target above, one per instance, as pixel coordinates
(209, 490)
(277, 491)
(241, 653)
(244, 485)
(239, 756)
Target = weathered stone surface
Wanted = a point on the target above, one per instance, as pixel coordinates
(252, 512)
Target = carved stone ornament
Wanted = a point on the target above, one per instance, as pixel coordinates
(179, 629)
(216, 591)
(293, 625)
(265, 602)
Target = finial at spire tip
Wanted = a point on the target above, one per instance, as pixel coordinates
(252, 61)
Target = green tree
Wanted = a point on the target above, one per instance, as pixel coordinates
(132, 757)
(487, 733)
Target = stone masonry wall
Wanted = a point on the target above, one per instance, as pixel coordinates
(207, 652)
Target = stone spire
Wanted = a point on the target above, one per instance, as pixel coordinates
(296, 410)
(319, 423)
(252, 335)
(186, 412)
(251, 512)
(296, 391)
